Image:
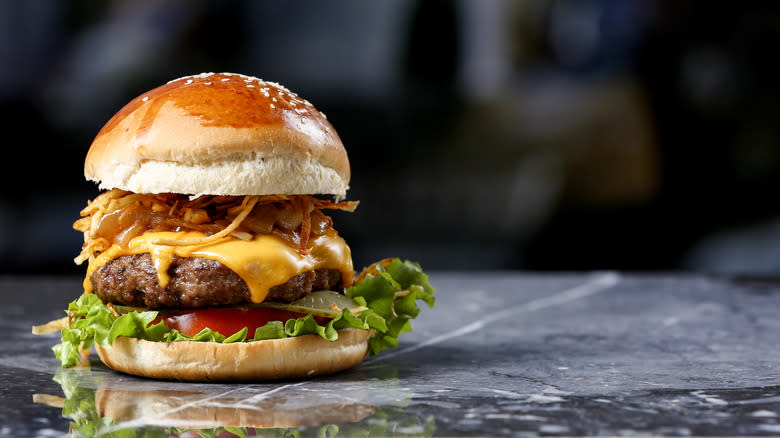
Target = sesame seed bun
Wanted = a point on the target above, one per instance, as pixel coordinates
(219, 134)
(302, 356)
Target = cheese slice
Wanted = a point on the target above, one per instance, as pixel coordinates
(263, 262)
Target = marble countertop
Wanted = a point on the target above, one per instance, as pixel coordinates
(513, 354)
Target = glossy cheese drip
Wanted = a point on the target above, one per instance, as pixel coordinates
(263, 262)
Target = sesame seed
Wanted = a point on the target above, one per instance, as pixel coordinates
(198, 76)
(250, 86)
(189, 81)
(145, 98)
(274, 99)
(273, 106)
(224, 79)
(207, 83)
(278, 86)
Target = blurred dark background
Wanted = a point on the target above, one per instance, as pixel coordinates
(483, 134)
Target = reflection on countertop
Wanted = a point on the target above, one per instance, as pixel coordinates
(100, 402)
(501, 354)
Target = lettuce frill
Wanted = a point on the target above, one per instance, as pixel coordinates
(389, 293)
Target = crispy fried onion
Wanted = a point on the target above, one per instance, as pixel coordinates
(117, 216)
(246, 207)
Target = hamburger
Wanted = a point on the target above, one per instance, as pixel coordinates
(210, 254)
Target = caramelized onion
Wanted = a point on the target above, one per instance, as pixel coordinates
(116, 217)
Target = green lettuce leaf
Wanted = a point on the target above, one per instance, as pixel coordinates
(389, 294)
(392, 294)
(272, 330)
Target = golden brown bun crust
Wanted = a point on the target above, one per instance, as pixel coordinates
(301, 356)
(187, 135)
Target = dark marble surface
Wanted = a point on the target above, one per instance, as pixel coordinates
(501, 354)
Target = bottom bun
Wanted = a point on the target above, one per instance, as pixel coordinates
(300, 356)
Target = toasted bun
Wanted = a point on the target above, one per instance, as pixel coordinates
(219, 134)
(301, 356)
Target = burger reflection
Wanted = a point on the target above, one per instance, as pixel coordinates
(107, 404)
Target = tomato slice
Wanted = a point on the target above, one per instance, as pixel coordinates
(225, 320)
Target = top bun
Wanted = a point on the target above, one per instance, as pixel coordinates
(219, 134)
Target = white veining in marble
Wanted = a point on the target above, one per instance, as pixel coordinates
(500, 354)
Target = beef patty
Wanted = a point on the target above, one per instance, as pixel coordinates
(195, 282)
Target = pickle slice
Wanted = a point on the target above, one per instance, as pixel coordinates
(325, 303)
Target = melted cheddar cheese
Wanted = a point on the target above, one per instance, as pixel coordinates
(263, 262)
